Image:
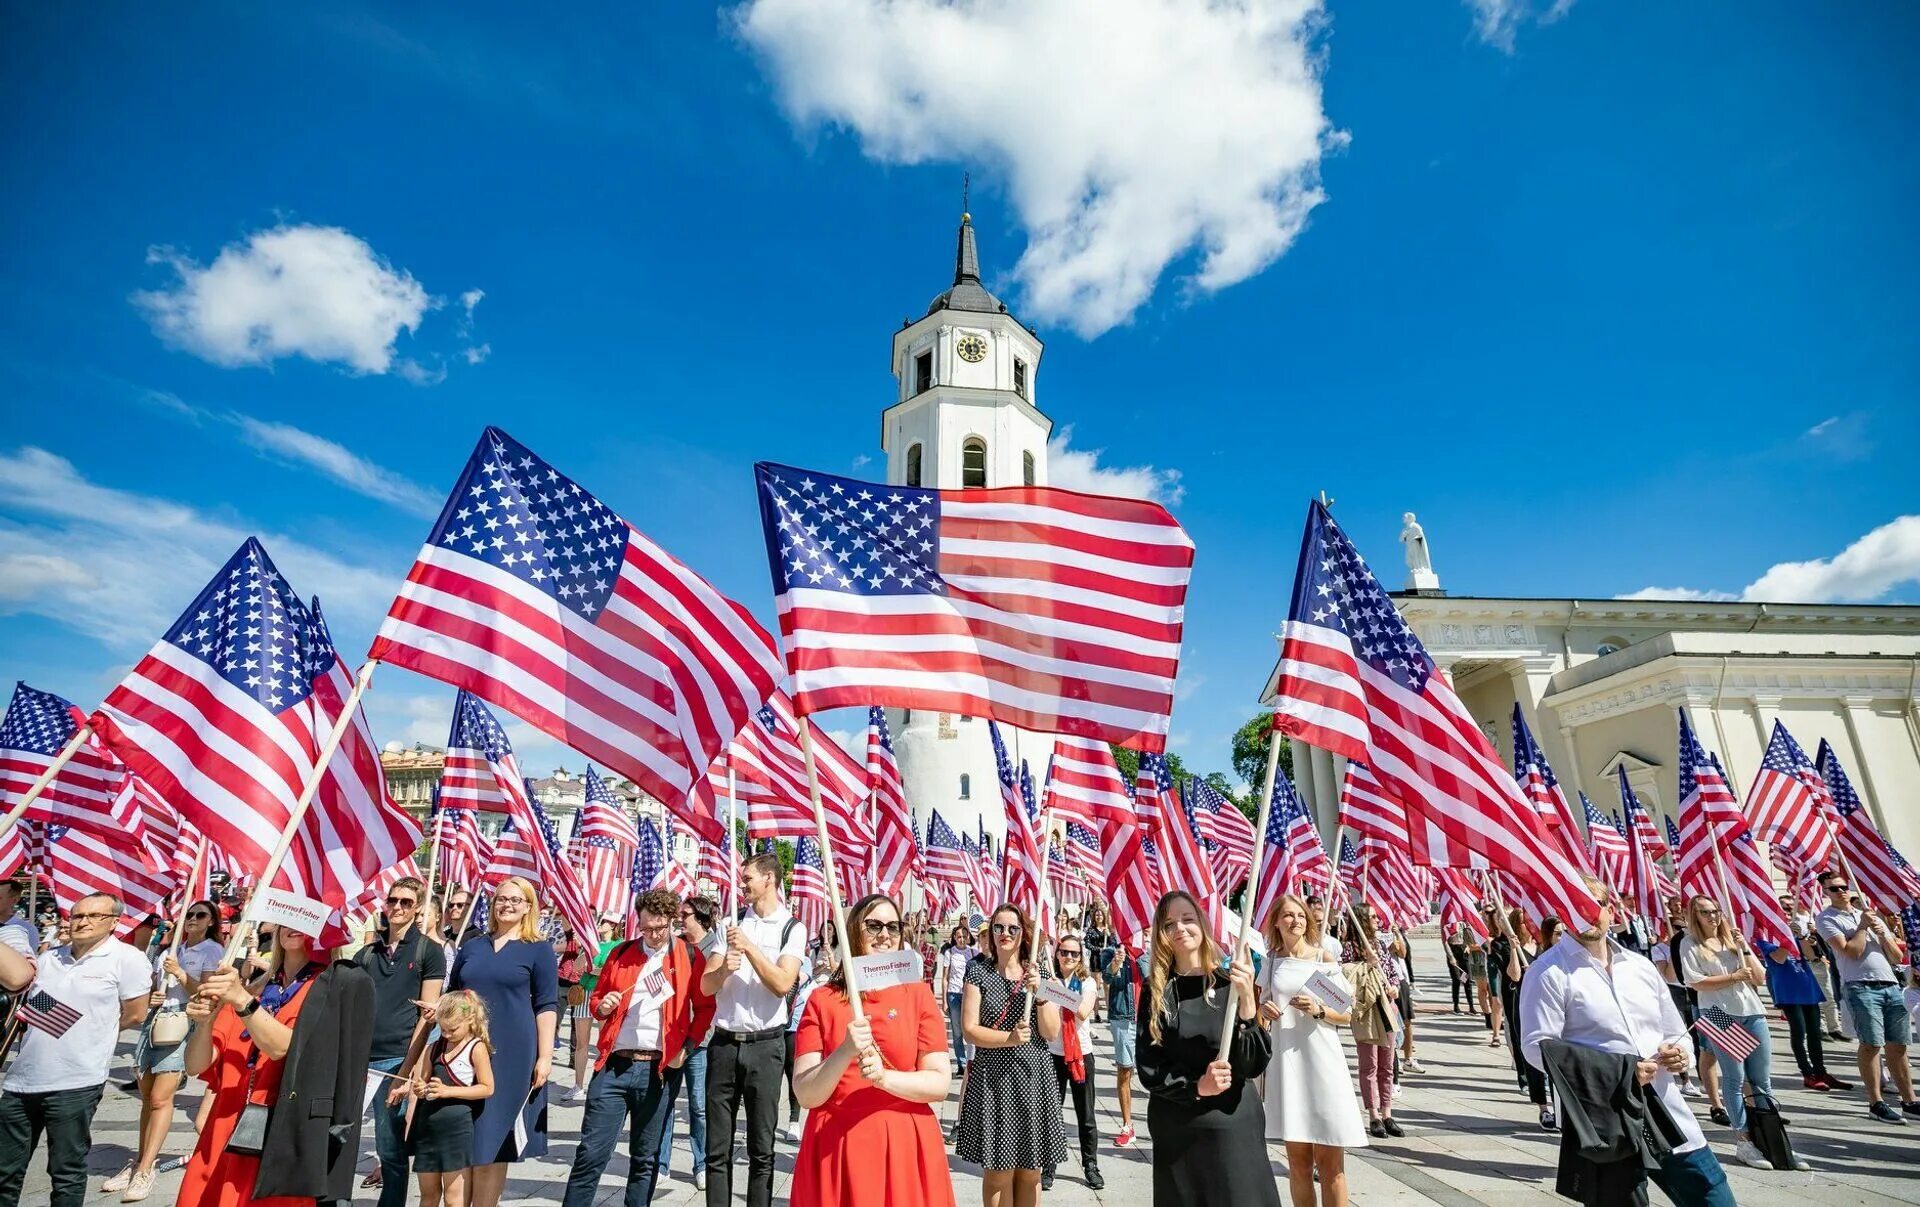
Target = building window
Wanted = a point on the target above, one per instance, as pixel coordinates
(913, 465)
(973, 462)
(923, 372)
(966, 786)
(906, 717)
(1610, 645)
(1026, 468)
(1020, 378)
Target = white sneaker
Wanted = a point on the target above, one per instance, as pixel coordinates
(1745, 1153)
(699, 1179)
(1692, 1089)
(1801, 1163)
(119, 1181)
(1414, 1066)
(790, 1133)
(139, 1188)
(574, 1096)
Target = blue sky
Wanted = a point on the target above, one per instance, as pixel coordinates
(1615, 299)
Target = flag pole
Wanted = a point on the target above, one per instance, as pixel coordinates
(186, 895)
(733, 841)
(826, 866)
(80, 735)
(263, 883)
(433, 856)
(1253, 881)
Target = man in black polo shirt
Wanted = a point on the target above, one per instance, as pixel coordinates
(406, 967)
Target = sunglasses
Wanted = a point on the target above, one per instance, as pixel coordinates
(1069, 953)
(404, 902)
(200, 917)
(1006, 928)
(1838, 888)
(876, 928)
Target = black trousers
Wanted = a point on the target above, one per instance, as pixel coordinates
(65, 1118)
(1083, 1106)
(1803, 1028)
(1457, 978)
(743, 1073)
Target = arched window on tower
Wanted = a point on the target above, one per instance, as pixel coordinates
(1026, 468)
(966, 786)
(913, 465)
(973, 462)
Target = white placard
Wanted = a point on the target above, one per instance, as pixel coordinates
(885, 969)
(302, 915)
(1329, 992)
(1060, 994)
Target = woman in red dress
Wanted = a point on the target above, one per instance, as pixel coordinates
(240, 1059)
(872, 1138)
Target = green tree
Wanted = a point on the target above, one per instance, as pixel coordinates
(1250, 752)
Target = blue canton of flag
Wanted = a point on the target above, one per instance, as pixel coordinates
(37, 721)
(1345, 595)
(650, 860)
(860, 538)
(1673, 835)
(254, 632)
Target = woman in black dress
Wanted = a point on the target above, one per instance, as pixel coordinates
(1010, 1108)
(1209, 1129)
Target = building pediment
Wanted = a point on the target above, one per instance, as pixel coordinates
(1635, 765)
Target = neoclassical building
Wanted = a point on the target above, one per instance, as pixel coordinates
(1601, 683)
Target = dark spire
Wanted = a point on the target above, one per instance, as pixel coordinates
(967, 292)
(966, 257)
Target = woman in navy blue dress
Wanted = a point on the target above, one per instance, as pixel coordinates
(512, 969)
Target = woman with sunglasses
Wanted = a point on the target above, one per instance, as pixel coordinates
(872, 1138)
(1073, 1054)
(1724, 975)
(1209, 1146)
(1010, 1110)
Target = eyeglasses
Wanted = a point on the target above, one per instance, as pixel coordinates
(1069, 953)
(1837, 888)
(1708, 913)
(875, 928)
(520, 902)
(200, 917)
(1006, 928)
(91, 917)
(402, 902)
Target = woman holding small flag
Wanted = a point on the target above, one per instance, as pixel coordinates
(1310, 1102)
(872, 1138)
(1733, 1021)
(1010, 1108)
(1205, 1117)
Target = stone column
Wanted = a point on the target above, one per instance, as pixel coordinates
(1764, 710)
(1862, 771)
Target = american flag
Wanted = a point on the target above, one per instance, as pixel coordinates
(531, 593)
(1460, 902)
(1025, 864)
(42, 1010)
(1756, 907)
(463, 851)
(1728, 1036)
(605, 867)
(808, 895)
(1392, 887)
(1085, 785)
(1673, 835)
(224, 718)
(91, 792)
(896, 856)
(373, 898)
(1706, 805)
(1046, 609)
(1348, 876)
(770, 782)
(1368, 807)
(1646, 883)
(1541, 787)
(658, 866)
(512, 855)
(1083, 851)
(1353, 679)
(1062, 878)
(1788, 804)
(1294, 854)
(603, 816)
(1610, 855)
(79, 862)
(535, 846)
(716, 863)
(1883, 877)
(13, 851)
(947, 856)
(1182, 864)
(1220, 822)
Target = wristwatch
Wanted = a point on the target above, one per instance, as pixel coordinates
(247, 1010)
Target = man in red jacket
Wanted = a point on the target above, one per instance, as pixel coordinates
(652, 1014)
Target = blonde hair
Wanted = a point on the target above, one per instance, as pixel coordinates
(530, 921)
(1722, 930)
(466, 1004)
(1276, 938)
(1160, 968)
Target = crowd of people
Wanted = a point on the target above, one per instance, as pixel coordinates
(445, 1030)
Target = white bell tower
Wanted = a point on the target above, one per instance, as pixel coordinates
(964, 417)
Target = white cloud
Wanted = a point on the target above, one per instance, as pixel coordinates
(119, 566)
(312, 291)
(862, 461)
(1823, 426)
(1080, 469)
(1497, 22)
(470, 299)
(339, 463)
(1845, 437)
(1131, 133)
(1885, 558)
(477, 353)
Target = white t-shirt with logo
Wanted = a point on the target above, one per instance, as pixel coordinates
(196, 961)
(94, 985)
(744, 1004)
(640, 1026)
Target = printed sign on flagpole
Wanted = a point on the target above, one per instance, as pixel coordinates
(884, 969)
(1323, 988)
(302, 915)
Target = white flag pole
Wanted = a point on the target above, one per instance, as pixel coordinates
(244, 925)
(733, 842)
(1253, 885)
(433, 860)
(826, 866)
(60, 760)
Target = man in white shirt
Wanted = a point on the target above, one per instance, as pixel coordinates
(1590, 991)
(750, 977)
(84, 994)
(19, 940)
(1865, 950)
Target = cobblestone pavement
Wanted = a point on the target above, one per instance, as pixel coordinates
(1471, 1138)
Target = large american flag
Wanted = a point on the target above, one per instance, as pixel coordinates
(1084, 784)
(716, 864)
(93, 791)
(1883, 877)
(80, 862)
(1353, 679)
(1646, 883)
(1708, 811)
(1295, 856)
(1182, 863)
(807, 897)
(770, 782)
(1220, 822)
(1542, 789)
(1083, 851)
(602, 815)
(1026, 866)
(896, 856)
(535, 848)
(605, 867)
(1788, 804)
(1756, 907)
(1610, 855)
(511, 855)
(224, 718)
(1046, 609)
(533, 594)
(1392, 887)
(947, 857)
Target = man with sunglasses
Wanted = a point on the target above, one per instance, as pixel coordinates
(407, 969)
(1865, 951)
(457, 927)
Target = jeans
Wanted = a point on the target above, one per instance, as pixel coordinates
(696, 1083)
(1756, 1068)
(1376, 1078)
(621, 1090)
(1694, 1179)
(389, 1145)
(1803, 1030)
(743, 1074)
(1879, 1014)
(956, 1040)
(66, 1118)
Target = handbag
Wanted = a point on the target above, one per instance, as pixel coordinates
(169, 1027)
(1768, 1131)
(250, 1130)
(576, 995)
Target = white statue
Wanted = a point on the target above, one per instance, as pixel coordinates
(1420, 575)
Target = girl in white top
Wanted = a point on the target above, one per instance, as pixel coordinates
(447, 1097)
(1724, 974)
(954, 958)
(1310, 1099)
